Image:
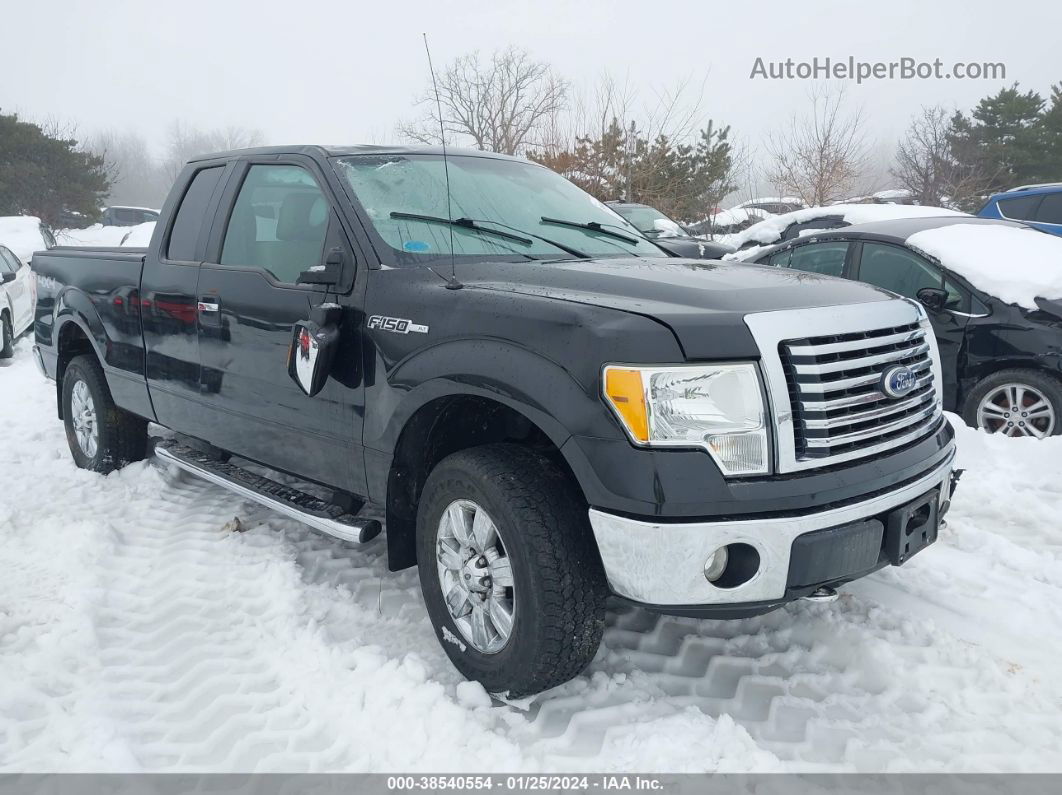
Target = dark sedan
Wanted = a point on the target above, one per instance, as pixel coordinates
(1001, 362)
(667, 233)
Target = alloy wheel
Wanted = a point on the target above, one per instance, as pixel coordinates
(1016, 410)
(476, 576)
(83, 418)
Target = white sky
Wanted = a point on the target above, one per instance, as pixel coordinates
(328, 71)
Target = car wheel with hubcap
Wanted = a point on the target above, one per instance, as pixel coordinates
(509, 570)
(1016, 403)
(101, 436)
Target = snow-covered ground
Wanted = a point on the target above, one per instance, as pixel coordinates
(99, 235)
(22, 235)
(137, 633)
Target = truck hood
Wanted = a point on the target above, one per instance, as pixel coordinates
(702, 302)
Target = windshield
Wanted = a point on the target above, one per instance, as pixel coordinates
(515, 195)
(652, 222)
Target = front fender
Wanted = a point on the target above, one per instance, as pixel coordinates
(551, 397)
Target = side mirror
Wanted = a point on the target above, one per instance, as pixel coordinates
(933, 298)
(329, 274)
(7, 277)
(313, 347)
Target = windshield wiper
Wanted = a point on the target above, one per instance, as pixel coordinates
(474, 224)
(593, 226)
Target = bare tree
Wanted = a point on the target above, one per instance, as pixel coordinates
(504, 104)
(926, 163)
(188, 142)
(820, 156)
(136, 177)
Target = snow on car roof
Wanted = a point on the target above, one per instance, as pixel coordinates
(1015, 264)
(770, 230)
(737, 215)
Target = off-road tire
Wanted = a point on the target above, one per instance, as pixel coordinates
(558, 580)
(122, 437)
(1050, 387)
(7, 338)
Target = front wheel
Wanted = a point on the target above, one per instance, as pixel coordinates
(101, 436)
(510, 574)
(1016, 403)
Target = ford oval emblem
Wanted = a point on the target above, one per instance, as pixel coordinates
(898, 381)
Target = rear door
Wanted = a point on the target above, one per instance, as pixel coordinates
(168, 300)
(1049, 213)
(277, 219)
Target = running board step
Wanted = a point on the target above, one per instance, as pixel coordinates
(317, 513)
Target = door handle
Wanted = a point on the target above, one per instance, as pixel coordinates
(208, 304)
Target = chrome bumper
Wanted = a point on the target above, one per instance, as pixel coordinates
(663, 564)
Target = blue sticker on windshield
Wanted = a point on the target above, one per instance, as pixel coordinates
(416, 246)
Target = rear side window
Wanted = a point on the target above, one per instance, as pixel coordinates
(1050, 211)
(824, 258)
(1020, 208)
(191, 215)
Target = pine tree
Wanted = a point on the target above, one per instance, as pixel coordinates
(682, 180)
(47, 176)
(1002, 139)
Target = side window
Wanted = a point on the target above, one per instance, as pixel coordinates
(1020, 208)
(897, 269)
(184, 236)
(7, 262)
(1050, 211)
(278, 223)
(824, 258)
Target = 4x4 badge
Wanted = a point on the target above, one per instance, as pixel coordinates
(399, 325)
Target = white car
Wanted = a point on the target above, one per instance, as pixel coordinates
(17, 299)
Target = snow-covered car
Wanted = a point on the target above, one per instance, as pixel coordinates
(993, 293)
(773, 205)
(792, 225)
(730, 222)
(17, 295)
(667, 233)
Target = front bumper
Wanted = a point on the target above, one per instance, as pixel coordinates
(661, 564)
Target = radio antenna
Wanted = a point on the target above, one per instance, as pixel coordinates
(452, 283)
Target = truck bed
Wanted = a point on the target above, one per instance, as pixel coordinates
(94, 294)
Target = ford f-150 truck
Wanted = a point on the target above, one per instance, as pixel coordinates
(543, 408)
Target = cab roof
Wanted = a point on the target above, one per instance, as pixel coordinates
(314, 150)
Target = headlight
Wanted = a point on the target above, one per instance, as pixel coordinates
(715, 406)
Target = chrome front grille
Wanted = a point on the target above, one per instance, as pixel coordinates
(825, 386)
(835, 389)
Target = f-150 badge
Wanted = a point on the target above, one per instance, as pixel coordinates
(399, 325)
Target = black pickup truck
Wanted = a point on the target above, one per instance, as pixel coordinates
(542, 407)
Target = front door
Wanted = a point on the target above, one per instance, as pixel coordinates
(904, 272)
(280, 223)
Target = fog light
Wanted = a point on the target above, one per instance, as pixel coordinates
(716, 565)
